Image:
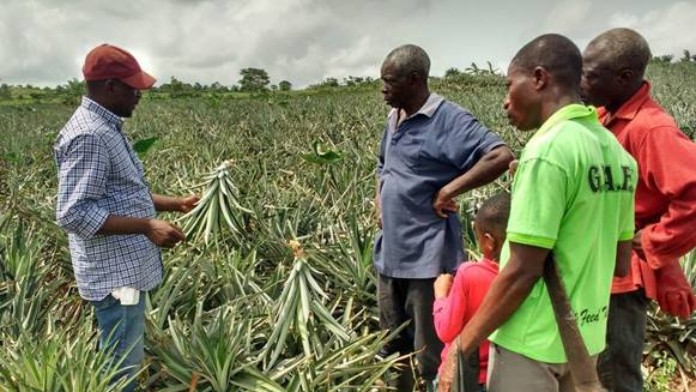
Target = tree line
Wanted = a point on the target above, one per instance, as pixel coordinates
(254, 80)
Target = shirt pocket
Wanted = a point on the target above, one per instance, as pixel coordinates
(409, 150)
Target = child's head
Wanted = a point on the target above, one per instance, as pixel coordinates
(490, 224)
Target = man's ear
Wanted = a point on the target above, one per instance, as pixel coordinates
(109, 85)
(415, 78)
(626, 76)
(540, 77)
(491, 242)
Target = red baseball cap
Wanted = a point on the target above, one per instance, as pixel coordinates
(111, 62)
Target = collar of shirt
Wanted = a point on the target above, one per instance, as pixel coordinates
(629, 109)
(568, 112)
(398, 116)
(489, 263)
(108, 116)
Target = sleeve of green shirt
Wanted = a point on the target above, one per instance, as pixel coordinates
(539, 199)
(628, 224)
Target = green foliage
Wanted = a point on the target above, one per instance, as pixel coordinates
(254, 79)
(452, 72)
(142, 146)
(5, 92)
(661, 373)
(320, 157)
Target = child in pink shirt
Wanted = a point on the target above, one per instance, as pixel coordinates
(457, 298)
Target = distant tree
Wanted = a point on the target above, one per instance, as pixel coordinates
(217, 86)
(284, 85)
(474, 69)
(5, 91)
(491, 70)
(330, 82)
(274, 87)
(354, 80)
(665, 58)
(452, 73)
(687, 56)
(71, 92)
(254, 79)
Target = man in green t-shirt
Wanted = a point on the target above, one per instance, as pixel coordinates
(572, 194)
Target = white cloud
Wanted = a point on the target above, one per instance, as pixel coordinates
(569, 17)
(669, 30)
(304, 41)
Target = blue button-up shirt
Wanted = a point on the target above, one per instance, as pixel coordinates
(99, 175)
(418, 156)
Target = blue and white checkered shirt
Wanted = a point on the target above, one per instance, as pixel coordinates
(99, 175)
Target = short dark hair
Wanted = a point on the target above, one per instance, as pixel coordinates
(623, 48)
(557, 54)
(409, 58)
(492, 216)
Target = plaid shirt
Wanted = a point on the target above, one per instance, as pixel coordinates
(99, 175)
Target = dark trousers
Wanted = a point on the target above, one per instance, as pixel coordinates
(619, 365)
(402, 300)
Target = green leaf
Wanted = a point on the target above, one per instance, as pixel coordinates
(320, 157)
(142, 146)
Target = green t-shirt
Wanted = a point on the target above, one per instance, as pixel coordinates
(573, 193)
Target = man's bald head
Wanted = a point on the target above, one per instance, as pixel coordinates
(620, 49)
(407, 59)
(613, 67)
(557, 54)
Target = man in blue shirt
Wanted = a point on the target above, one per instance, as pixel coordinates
(432, 150)
(105, 205)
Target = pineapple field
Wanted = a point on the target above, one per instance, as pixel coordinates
(274, 289)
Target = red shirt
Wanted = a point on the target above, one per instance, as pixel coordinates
(471, 283)
(666, 193)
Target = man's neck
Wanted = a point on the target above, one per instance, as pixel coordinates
(551, 107)
(614, 107)
(416, 103)
(100, 100)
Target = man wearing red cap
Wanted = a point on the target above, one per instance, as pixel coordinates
(105, 205)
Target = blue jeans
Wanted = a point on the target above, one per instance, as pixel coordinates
(122, 328)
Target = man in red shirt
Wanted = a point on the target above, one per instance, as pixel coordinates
(613, 68)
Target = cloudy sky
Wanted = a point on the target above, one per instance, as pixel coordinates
(43, 42)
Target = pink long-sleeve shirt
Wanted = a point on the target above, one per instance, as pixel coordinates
(471, 283)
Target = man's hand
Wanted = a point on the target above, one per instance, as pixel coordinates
(512, 167)
(378, 211)
(186, 204)
(444, 204)
(674, 293)
(638, 245)
(443, 285)
(164, 234)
